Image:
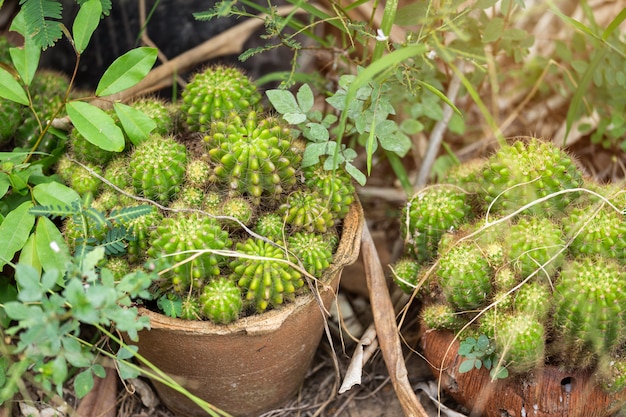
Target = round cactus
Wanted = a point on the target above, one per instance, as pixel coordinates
(215, 93)
(271, 226)
(190, 309)
(306, 210)
(140, 229)
(240, 209)
(159, 111)
(117, 172)
(313, 250)
(533, 299)
(535, 244)
(221, 301)
(87, 152)
(405, 274)
(589, 316)
(175, 236)
(198, 172)
(118, 265)
(442, 317)
(157, 167)
(252, 156)
(467, 176)
(526, 171)
(429, 214)
(465, 276)
(265, 282)
(597, 228)
(189, 198)
(334, 185)
(82, 180)
(520, 342)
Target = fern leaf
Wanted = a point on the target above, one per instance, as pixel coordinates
(99, 221)
(126, 214)
(38, 14)
(115, 242)
(54, 211)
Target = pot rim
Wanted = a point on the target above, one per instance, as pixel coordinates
(346, 254)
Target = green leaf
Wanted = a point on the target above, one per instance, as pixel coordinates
(466, 366)
(313, 151)
(493, 30)
(18, 310)
(395, 142)
(283, 101)
(316, 132)
(5, 183)
(55, 194)
(85, 23)
(29, 283)
(83, 383)
(28, 254)
(136, 123)
(294, 118)
(621, 16)
(96, 126)
(53, 251)
(92, 259)
(14, 231)
(11, 89)
(126, 71)
(25, 59)
(356, 174)
(305, 98)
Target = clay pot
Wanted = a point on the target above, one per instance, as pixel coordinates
(256, 363)
(547, 392)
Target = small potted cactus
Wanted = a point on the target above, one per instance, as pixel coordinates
(520, 262)
(249, 246)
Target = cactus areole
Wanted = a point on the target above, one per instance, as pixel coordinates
(521, 248)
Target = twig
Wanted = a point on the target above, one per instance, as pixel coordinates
(386, 328)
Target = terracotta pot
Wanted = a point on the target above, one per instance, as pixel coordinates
(254, 364)
(548, 392)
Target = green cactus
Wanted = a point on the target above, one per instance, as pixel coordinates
(521, 173)
(405, 274)
(190, 309)
(82, 180)
(442, 317)
(533, 299)
(271, 226)
(612, 375)
(140, 230)
(313, 250)
(175, 236)
(189, 198)
(465, 276)
(117, 172)
(307, 210)
(536, 244)
(159, 111)
(238, 208)
(87, 152)
(429, 214)
(520, 342)
(265, 282)
(252, 156)
(590, 313)
(597, 228)
(334, 185)
(221, 301)
(468, 176)
(157, 167)
(215, 93)
(198, 172)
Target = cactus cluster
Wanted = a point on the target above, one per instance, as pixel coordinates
(546, 283)
(237, 223)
